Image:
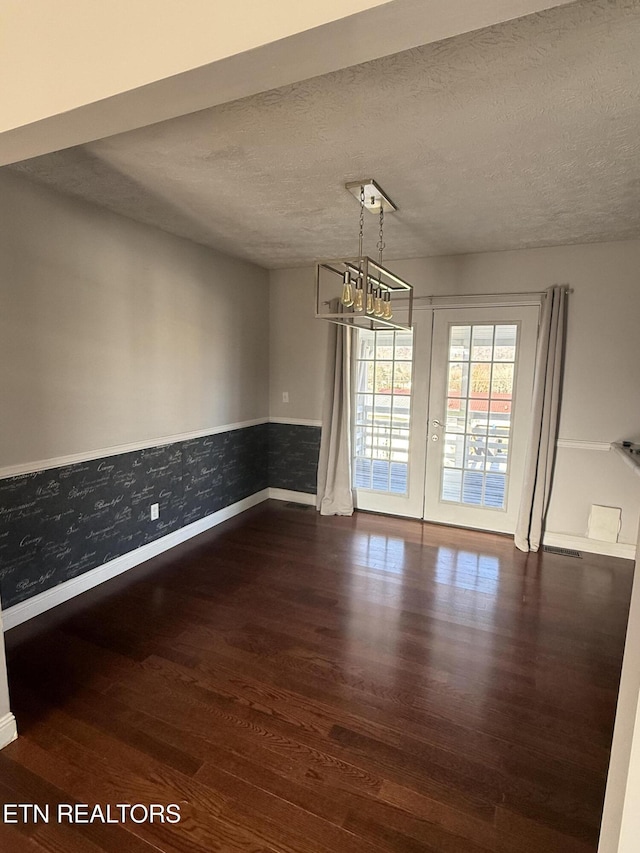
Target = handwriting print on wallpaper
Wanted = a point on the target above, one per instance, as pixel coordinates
(60, 523)
(293, 457)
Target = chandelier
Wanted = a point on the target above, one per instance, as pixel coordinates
(359, 291)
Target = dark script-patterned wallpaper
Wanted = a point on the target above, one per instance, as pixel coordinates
(62, 522)
(57, 524)
(293, 457)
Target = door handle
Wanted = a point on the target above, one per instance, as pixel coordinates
(437, 424)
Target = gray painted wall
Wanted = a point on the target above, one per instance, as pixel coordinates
(112, 332)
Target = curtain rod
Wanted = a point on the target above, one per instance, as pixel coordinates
(526, 296)
(518, 293)
(481, 300)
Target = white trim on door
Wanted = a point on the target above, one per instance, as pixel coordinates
(408, 505)
(444, 433)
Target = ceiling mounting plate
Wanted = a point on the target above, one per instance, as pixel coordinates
(374, 195)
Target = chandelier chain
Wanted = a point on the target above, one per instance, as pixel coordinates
(381, 243)
(361, 220)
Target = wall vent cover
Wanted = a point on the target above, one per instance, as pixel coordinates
(564, 552)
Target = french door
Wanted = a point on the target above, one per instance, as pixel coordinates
(482, 366)
(389, 435)
(440, 416)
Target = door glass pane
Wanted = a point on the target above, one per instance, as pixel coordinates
(367, 344)
(472, 487)
(456, 415)
(453, 450)
(402, 378)
(480, 380)
(384, 377)
(458, 379)
(362, 473)
(384, 345)
(477, 417)
(403, 346)
(398, 480)
(401, 409)
(364, 376)
(381, 443)
(475, 450)
(383, 411)
(481, 343)
(459, 343)
(380, 475)
(494, 490)
(399, 448)
(480, 389)
(451, 485)
(497, 453)
(505, 343)
(502, 381)
(364, 408)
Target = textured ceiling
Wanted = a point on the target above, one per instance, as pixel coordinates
(519, 135)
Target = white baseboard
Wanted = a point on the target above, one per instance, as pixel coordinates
(591, 546)
(25, 610)
(8, 730)
(295, 497)
(19, 613)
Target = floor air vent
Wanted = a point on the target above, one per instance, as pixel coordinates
(564, 552)
(294, 505)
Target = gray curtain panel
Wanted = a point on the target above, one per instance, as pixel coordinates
(545, 408)
(335, 495)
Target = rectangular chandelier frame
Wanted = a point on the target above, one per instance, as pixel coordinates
(329, 279)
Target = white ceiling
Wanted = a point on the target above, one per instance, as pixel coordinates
(519, 135)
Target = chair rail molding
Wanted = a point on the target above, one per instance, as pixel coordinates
(578, 444)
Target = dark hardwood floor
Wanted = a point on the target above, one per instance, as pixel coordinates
(325, 685)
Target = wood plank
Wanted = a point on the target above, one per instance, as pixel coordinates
(307, 684)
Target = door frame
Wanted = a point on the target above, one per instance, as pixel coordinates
(461, 515)
(425, 308)
(409, 505)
